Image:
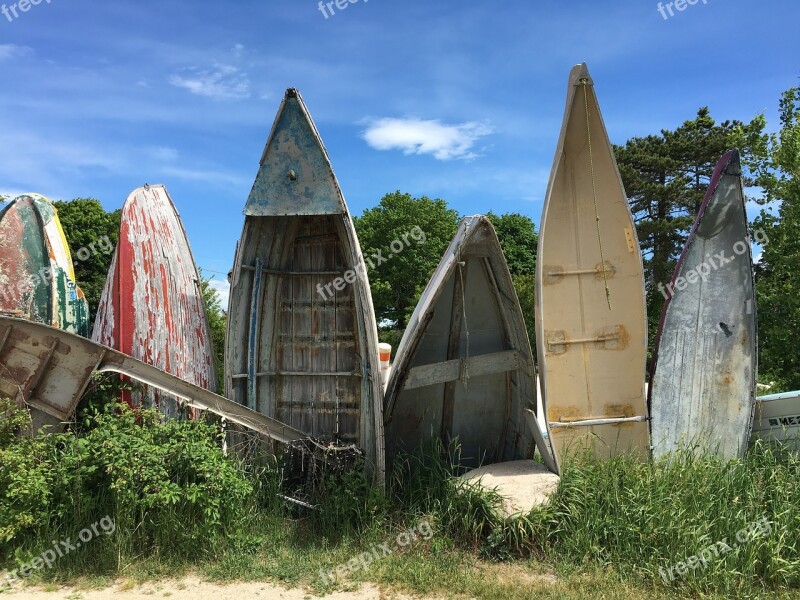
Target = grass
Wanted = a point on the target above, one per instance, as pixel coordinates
(610, 531)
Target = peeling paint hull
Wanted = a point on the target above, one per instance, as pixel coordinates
(295, 351)
(48, 370)
(591, 326)
(464, 369)
(152, 306)
(704, 370)
(36, 272)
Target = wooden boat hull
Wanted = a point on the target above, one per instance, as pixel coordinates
(48, 370)
(464, 368)
(302, 342)
(777, 419)
(152, 307)
(591, 323)
(704, 370)
(38, 279)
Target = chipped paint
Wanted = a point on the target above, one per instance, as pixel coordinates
(291, 354)
(36, 270)
(152, 306)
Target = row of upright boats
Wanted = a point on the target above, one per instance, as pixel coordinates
(304, 364)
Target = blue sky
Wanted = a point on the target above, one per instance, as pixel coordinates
(461, 100)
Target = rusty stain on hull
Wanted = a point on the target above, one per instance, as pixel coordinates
(704, 370)
(48, 370)
(152, 306)
(37, 278)
(294, 351)
(464, 368)
(591, 324)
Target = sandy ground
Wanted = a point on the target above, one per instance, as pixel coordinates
(194, 589)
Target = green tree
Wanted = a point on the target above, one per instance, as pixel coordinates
(777, 273)
(87, 225)
(398, 282)
(666, 177)
(519, 240)
(217, 323)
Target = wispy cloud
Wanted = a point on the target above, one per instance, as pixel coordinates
(164, 153)
(222, 82)
(8, 51)
(211, 177)
(417, 136)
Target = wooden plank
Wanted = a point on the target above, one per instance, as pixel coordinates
(477, 366)
(255, 331)
(453, 350)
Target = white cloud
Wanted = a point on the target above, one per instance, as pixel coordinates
(13, 51)
(209, 176)
(417, 136)
(223, 288)
(223, 82)
(164, 153)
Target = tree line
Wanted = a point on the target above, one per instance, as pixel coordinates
(665, 176)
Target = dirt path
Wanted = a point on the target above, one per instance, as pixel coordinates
(192, 588)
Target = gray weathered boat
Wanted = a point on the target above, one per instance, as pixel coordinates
(591, 326)
(777, 419)
(47, 370)
(704, 368)
(302, 343)
(464, 368)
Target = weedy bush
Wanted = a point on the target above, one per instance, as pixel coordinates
(167, 486)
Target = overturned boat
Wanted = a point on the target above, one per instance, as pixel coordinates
(152, 306)
(48, 370)
(704, 365)
(37, 278)
(301, 342)
(777, 419)
(591, 326)
(464, 369)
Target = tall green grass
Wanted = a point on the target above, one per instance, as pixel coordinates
(178, 501)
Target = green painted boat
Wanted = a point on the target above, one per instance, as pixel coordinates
(37, 278)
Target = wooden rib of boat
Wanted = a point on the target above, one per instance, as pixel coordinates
(49, 370)
(704, 367)
(36, 270)
(152, 307)
(302, 342)
(777, 419)
(464, 369)
(591, 326)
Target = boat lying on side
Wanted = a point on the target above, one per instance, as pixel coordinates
(302, 342)
(37, 278)
(704, 368)
(777, 419)
(591, 325)
(464, 369)
(152, 307)
(48, 370)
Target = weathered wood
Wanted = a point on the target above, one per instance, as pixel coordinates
(591, 325)
(51, 369)
(312, 360)
(452, 370)
(464, 368)
(703, 382)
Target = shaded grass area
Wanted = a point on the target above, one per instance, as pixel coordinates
(180, 505)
